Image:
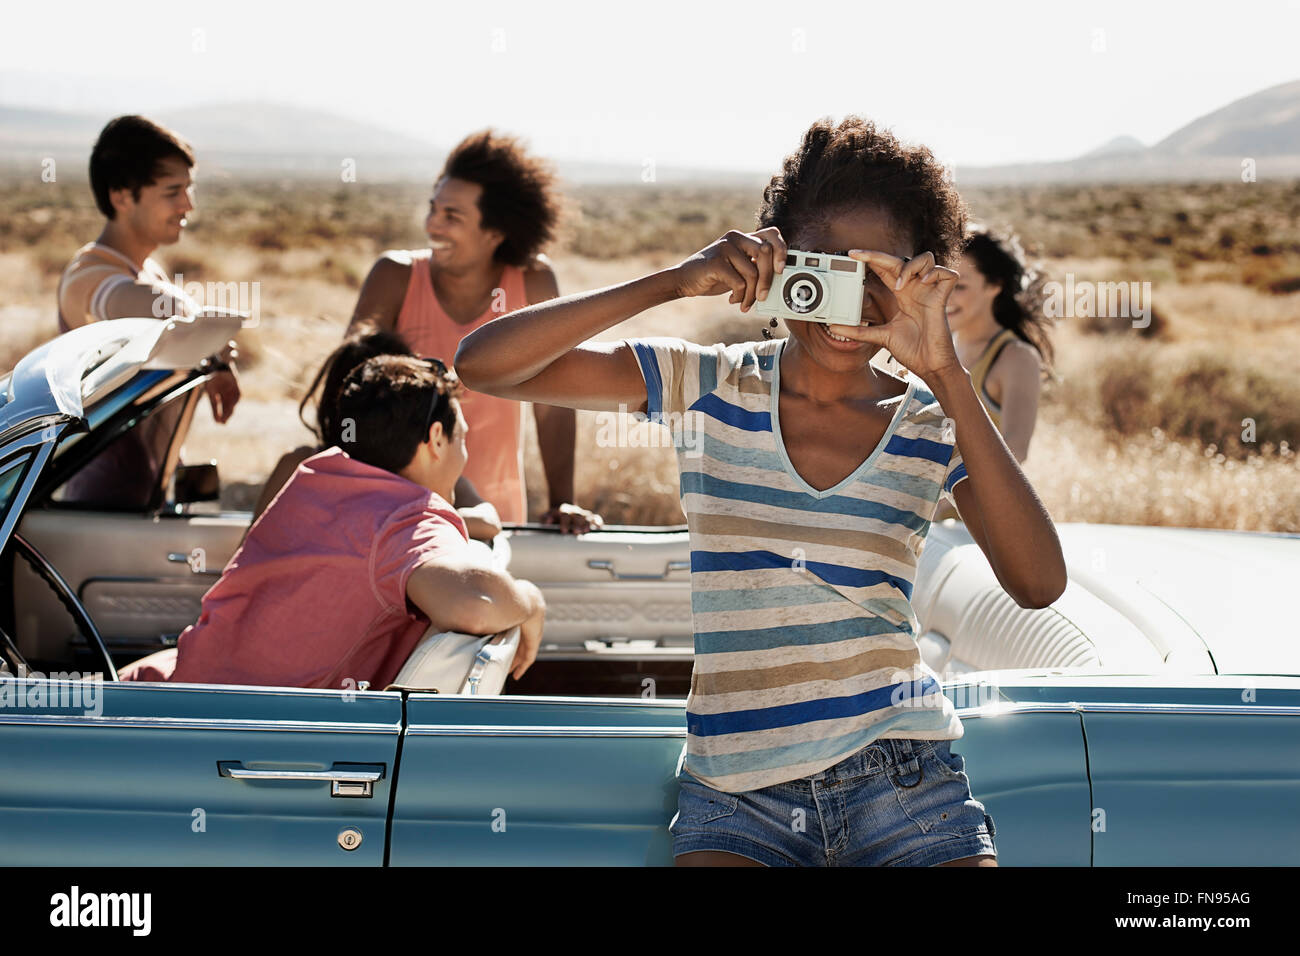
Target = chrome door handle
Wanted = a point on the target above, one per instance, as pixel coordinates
(345, 780)
(195, 559)
(596, 564)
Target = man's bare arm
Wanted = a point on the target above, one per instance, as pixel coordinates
(380, 301)
(556, 425)
(460, 596)
(456, 596)
(482, 523)
(1001, 510)
(556, 434)
(557, 428)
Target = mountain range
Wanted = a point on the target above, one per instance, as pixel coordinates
(1263, 128)
(258, 139)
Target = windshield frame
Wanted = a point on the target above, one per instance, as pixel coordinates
(138, 400)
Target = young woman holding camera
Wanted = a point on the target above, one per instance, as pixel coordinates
(816, 735)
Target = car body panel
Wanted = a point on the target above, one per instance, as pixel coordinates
(1204, 770)
(133, 779)
(1030, 770)
(1187, 789)
(1154, 601)
(543, 781)
(613, 586)
(1223, 584)
(517, 781)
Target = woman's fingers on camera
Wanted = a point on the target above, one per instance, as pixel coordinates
(916, 266)
(770, 257)
(737, 255)
(881, 263)
(746, 254)
(898, 271)
(766, 249)
(744, 263)
(726, 273)
(939, 274)
(764, 262)
(773, 237)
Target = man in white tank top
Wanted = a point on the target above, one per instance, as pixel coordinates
(141, 176)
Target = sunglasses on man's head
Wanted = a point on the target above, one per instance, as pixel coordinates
(440, 369)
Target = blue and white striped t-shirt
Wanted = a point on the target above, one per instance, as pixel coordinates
(805, 637)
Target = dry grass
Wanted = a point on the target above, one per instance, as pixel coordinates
(1140, 429)
(1082, 475)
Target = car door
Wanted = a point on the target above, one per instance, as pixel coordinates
(141, 572)
(1027, 763)
(112, 774)
(141, 577)
(1192, 775)
(537, 781)
(547, 781)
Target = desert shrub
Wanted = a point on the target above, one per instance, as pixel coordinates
(1157, 328)
(1202, 397)
(186, 264)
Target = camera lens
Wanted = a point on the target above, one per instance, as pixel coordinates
(803, 293)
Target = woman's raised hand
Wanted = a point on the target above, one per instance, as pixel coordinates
(740, 263)
(917, 334)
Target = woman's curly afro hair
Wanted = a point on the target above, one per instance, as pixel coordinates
(855, 164)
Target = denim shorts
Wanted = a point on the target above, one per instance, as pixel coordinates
(893, 803)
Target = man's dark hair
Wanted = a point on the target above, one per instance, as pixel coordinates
(844, 167)
(384, 405)
(518, 197)
(128, 155)
(366, 341)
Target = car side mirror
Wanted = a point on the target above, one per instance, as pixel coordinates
(197, 483)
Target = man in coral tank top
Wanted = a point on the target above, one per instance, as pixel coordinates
(493, 209)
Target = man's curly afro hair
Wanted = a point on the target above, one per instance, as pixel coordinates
(519, 195)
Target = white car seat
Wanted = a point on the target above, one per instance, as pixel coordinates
(450, 662)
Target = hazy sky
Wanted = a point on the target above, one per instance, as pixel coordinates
(686, 83)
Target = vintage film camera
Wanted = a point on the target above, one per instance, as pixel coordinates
(817, 287)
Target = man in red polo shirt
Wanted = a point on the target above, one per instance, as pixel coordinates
(358, 554)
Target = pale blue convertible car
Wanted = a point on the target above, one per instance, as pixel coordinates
(1150, 716)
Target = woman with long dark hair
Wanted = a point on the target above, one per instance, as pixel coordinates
(1001, 332)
